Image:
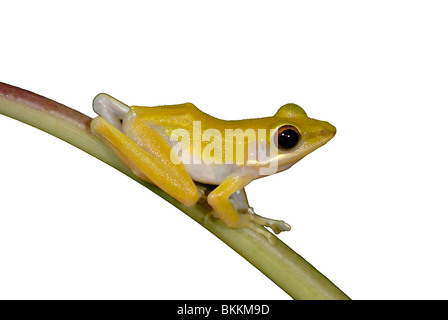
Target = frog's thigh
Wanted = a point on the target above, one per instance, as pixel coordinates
(171, 178)
(220, 202)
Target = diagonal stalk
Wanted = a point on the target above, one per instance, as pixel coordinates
(278, 262)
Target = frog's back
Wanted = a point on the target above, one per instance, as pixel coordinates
(171, 117)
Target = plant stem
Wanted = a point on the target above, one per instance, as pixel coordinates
(278, 262)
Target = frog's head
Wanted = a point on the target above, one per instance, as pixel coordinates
(293, 136)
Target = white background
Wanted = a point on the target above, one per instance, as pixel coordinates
(368, 210)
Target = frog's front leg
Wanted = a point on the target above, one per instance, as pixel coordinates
(221, 202)
(240, 203)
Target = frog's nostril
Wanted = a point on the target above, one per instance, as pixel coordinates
(327, 131)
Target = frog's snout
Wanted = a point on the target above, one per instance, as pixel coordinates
(327, 131)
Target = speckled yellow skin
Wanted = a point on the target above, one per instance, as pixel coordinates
(143, 145)
(181, 116)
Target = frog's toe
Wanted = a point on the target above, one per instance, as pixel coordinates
(257, 223)
(279, 226)
(276, 225)
(265, 233)
(246, 221)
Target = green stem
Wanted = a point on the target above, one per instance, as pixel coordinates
(278, 262)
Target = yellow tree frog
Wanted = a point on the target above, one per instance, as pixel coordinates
(175, 146)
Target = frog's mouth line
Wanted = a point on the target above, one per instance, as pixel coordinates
(282, 159)
(259, 154)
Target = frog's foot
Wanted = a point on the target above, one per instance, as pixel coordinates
(276, 225)
(257, 223)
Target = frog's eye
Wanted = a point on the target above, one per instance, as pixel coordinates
(287, 137)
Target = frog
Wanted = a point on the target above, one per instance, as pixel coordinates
(192, 155)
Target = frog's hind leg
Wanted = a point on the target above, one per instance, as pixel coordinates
(149, 163)
(110, 109)
(229, 204)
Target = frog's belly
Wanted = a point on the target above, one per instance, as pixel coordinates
(209, 173)
(200, 171)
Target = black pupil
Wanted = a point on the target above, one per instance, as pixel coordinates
(288, 139)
